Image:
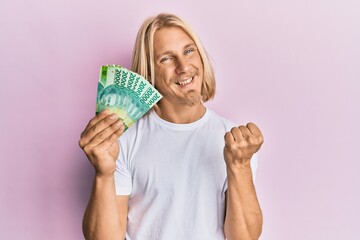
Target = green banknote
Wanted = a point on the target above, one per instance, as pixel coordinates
(125, 93)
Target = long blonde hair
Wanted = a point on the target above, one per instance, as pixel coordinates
(143, 54)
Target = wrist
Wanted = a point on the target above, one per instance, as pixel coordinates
(104, 177)
(239, 171)
(238, 165)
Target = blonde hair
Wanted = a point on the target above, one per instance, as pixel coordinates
(143, 54)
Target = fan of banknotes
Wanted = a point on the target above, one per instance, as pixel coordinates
(125, 93)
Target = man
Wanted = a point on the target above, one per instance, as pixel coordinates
(172, 175)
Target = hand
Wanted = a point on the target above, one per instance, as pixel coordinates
(99, 142)
(240, 145)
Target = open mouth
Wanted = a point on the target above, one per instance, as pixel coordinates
(185, 82)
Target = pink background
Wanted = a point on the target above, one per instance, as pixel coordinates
(292, 67)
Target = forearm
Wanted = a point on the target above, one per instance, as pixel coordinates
(101, 219)
(243, 214)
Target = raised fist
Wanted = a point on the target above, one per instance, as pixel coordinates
(240, 145)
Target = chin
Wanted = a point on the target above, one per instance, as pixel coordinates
(192, 98)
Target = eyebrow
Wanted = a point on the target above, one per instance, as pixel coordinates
(190, 45)
(171, 52)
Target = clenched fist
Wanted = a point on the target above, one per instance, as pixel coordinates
(240, 145)
(99, 142)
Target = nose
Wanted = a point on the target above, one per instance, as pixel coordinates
(182, 65)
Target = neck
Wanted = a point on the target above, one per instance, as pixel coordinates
(180, 113)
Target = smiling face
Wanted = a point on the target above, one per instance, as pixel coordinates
(178, 67)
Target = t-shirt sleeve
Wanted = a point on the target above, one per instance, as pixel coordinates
(254, 165)
(122, 175)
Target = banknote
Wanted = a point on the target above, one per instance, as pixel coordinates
(125, 93)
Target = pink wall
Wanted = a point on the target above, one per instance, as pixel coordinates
(293, 67)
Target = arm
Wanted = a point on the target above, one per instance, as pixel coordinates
(106, 215)
(243, 214)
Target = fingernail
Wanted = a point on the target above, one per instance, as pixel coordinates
(119, 123)
(104, 112)
(113, 116)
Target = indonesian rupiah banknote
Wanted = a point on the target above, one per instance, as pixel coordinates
(125, 93)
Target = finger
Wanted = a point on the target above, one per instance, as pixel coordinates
(97, 128)
(107, 143)
(245, 132)
(229, 139)
(237, 134)
(103, 114)
(105, 134)
(254, 129)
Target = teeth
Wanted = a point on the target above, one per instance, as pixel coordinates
(185, 82)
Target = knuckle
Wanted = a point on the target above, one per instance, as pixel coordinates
(111, 138)
(91, 121)
(100, 136)
(250, 124)
(81, 143)
(87, 149)
(120, 132)
(114, 126)
(96, 151)
(234, 129)
(111, 118)
(243, 144)
(253, 141)
(94, 120)
(233, 147)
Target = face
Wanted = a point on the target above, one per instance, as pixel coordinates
(178, 67)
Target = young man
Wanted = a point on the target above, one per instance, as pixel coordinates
(182, 171)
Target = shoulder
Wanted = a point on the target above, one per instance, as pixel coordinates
(216, 119)
(132, 133)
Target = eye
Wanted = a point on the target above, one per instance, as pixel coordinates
(165, 59)
(188, 51)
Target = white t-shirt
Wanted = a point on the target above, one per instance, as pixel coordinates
(175, 175)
